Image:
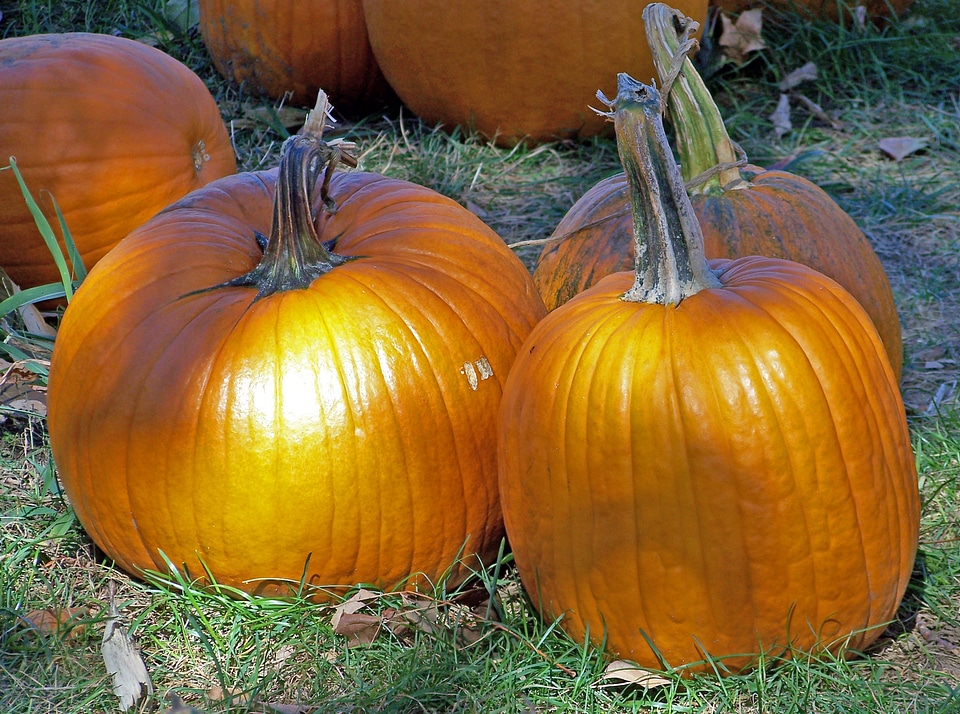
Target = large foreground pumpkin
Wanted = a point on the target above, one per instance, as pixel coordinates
(706, 460)
(273, 48)
(112, 129)
(324, 414)
(742, 210)
(511, 69)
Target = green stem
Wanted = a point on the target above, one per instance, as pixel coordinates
(703, 144)
(668, 243)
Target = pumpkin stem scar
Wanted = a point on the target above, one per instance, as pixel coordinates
(670, 261)
(293, 254)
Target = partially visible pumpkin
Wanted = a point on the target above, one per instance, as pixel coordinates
(111, 129)
(514, 70)
(272, 48)
(704, 466)
(743, 210)
(323, 410)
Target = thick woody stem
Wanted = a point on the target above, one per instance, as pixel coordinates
(668, 243)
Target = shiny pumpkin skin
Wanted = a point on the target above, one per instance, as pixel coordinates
(271, 48)
(112, 129)
(727, 476)
(511, 70)
(776, 214)
(344, 432)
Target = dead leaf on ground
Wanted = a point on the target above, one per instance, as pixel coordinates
(352, 604)
(358, 628)
(781, 116)
(122, 659)
(57, 621)
(900, 147)
(806, 73)
(624, 672)
(743, 36)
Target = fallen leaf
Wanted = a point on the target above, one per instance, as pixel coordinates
(354, 603)
(417, 614)
(860, 17)
(124, 664)
(358, 628)
(237, 696)
(739, 38)
(60, 621)
(183, 14)
(629, 673)
(781, 116)
(806, 73)
(900, 147)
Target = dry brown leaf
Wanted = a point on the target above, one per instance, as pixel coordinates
(60, 621)
(743, 36)
(806, 73)
(354, 603)
(123, 662)
(781, 116)
(358, 628)
(629, 673)
(900, 147)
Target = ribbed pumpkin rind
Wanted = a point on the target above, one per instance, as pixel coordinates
(109, 128)
(511, 70)
(272, 48)
(344, 433)
(727, 477)
(778, 215)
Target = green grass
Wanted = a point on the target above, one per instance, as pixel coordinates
(204, 645)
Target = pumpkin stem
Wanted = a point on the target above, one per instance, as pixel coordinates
(293, 255)
(709, 158)
(668, 243)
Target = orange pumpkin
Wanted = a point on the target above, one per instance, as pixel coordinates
(742, 210)
(511, 69)
(706, 460)
(112, 129)
(323, 409)
(272, 48)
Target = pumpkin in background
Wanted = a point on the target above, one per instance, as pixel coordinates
(272, 48)
(324, 408)
(743, 210)
(511, 69)
(112, 129)
(706, 459)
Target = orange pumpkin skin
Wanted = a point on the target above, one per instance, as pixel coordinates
(455, 62)
(776, 214)
(272, 48)
(344, 432)
(731, 475)
(112, 129)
